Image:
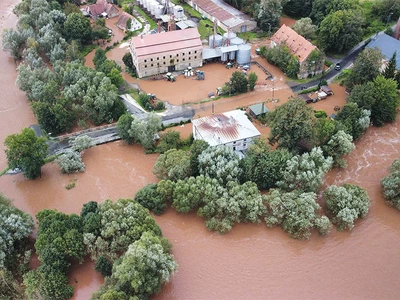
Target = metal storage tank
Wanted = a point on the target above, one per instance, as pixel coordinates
(171, 8)
(141, 2)
(228, 36)
(153, 7)
(232, 55)
(159, 11)
(243, 54)
(145, 3)
(218, 41)
(224, 56)
(236, 41)
(178, 12)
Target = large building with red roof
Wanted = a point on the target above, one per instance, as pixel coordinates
(301, 49)
(226, 16)
(166, 52)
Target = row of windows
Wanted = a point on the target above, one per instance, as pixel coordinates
(182, 54)
(177, 60)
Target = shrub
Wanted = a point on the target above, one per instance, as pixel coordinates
(71, 162)
(346, 204)
(151, 199)
(103, 266)
(391, 185)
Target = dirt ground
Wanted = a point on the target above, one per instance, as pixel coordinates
(287, 21)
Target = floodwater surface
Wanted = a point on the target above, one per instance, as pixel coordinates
(250, 262)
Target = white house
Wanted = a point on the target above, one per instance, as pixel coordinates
(231, 128)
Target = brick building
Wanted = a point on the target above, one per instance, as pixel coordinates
(302, 49)
(166, 52)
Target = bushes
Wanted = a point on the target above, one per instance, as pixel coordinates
(391, 185)
(71, 162)
(281, 57)
(346, 204)
(151, 199)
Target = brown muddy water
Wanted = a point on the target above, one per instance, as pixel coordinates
(250, 262)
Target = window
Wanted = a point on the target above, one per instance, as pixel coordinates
(145, 66)
(189, 53)
(170, 56)
(195, 57)
(183, 54)
(145, 60)
(234, 142)
(158, 58)
(183, 59)
(244, 145)
(164, 62)
(195, 51)
(151, 64)
(234, 148)
(163, 57)
(244, 140)
(151, 59)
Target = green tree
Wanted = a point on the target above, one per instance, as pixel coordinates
(305, 172)
(384, 8)
(220, 162)
(128, 61)
(346, 204)
(103, 266)
(238, 83)
(366, 67)
(298, 213)
(263, 166)
(16, 226)
(122, 223)
(321, 8)
(391, 185)
(145, 130)
(324, 129)
(27, 152)
(297, 8)
(353, 120)
(81, 142)
(99, 58)
(390, 70)
(267, 14)
(145, 266)
(77, 27)
(340, 31)
(384, 110)
(173, 164)
(123, 126)
(340, 144)
(71, 162)
(150, 198)
(305, 28)
(169, 140)
(252, 80)
(292, 126)
(196, 149)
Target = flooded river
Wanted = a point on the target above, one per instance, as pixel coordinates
(252, 261)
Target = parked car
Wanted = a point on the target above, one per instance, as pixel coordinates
(338, 67)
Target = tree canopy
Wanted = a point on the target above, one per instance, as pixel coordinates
(292, 126)
(173, 164)
(391, 185)
(346, 204)
(298, 213)
(27, 152)
(340, 31)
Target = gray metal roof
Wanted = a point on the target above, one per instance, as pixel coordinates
(211, 53)
(229, 48)
(388, 45)
(259, 109)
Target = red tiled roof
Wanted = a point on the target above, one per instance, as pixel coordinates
(123, 19)
(298, 45)
(166, 41)
(100, 7)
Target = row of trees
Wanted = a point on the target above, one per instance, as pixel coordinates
(281, 57)
(122, 237)
(68, 93)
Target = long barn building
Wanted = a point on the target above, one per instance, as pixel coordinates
(166, 52)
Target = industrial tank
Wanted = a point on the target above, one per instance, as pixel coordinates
(152, 8)
(218, 41)
(178, 12)
(243, 54)
(236, 41)
(224, 56)
(228, 36)
(158, 11)
(232, 55)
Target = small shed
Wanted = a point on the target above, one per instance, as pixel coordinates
(306, 98)
(327, 90)
(257, 110)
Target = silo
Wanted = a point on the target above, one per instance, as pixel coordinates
(232, 55)
(158, 11)
(228, 36)
(141, 2)
(178, 12)
(236, 41)
(215, 38)
(146, 3)
(243, 54)
(153, 7)
(171, 8)
(224, 56)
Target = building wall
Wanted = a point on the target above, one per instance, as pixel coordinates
(313, 69)
(159, 63)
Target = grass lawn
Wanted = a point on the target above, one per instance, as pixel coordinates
(144, 15)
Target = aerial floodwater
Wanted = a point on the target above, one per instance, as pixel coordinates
(250, 262)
